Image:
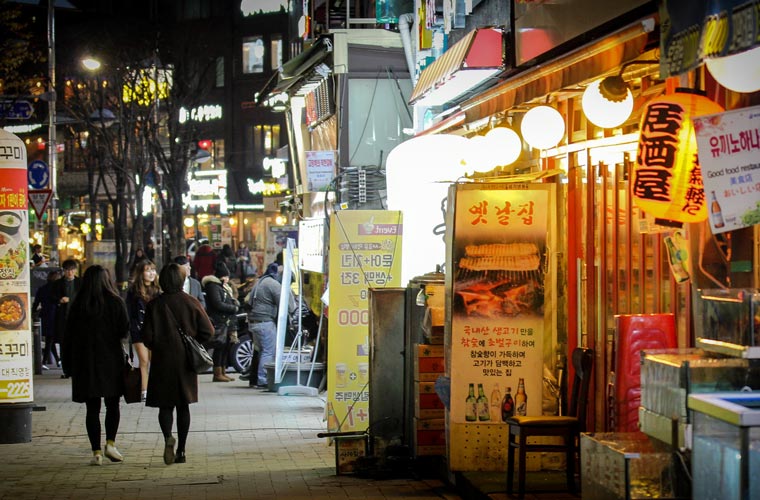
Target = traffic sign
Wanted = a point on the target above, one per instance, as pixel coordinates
(38, 173)
(16, 110)
(39, 199)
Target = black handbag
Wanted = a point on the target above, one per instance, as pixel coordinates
(132, 378)
(198, 358)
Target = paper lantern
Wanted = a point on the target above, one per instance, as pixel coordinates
(504, 144)
(738, 72)
(667, 181)
(542, 127)
(603, 112)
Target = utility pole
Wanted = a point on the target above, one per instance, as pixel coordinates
(52, 146)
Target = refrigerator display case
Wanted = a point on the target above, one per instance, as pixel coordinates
(726, 453)
(730, 321)
(668, 376)
(630, 465)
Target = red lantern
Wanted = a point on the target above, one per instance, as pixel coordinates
(667, 179)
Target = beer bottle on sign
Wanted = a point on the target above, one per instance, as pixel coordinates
(507, 405)
(332, 419)
(495, 403)
(521, 399)
(716, 214)
(471, 406)
(482, 405)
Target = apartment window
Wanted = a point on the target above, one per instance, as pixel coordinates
(253, 54)
(219, 81)
(275, 45)
(261, 141)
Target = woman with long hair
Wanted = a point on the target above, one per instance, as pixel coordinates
(143, 289)
(173, 385)
(93, 356)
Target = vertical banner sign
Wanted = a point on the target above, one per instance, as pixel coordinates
(15, 314)
(497, 324)
(729, 148)
(365, 252)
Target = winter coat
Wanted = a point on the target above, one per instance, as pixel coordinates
(92, 352)
(62, 310)
(45, 300)
(136, 310)
(196, 290)
(172, 381)
(264, 300)
(204, 261)
(220, 304)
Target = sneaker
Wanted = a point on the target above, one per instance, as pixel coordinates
(113, 454)
(169, 450)
(96, 459)
(143, 396)
(45, 367)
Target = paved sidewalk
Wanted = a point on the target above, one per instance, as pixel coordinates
(244, 443)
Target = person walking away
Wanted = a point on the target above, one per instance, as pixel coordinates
(228, 257)
(245, 268)
(143, 289)
(64, 292)
(173, 385)
(264, 301)
(204, 261)
(93, 356)
(191, 285)
(44, 300)
(222, 308)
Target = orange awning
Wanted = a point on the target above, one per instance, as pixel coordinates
(467, 63)
(574, 68)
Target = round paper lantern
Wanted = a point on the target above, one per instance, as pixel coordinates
(504, 144)
(477, 156)
(738, 72)
(667, 181)
(543, 127)
(603, 112)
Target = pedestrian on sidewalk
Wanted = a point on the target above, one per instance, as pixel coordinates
(45, 301)
(222, 308)
(191, 285)
(264, 302)
(64, 292)
(143, 289)
(93, 356)
(173, 384)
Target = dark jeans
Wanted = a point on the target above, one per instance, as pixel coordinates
(92, 420)
(50, 348)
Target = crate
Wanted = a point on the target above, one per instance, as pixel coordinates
(349, 450)
(630, 465)
(429, 362)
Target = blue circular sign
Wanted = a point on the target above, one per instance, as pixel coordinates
(38, 173)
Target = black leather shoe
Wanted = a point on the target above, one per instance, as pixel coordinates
(180, 458)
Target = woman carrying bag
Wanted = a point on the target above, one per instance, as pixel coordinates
(173, 384)
(222, 308)
(93, 356)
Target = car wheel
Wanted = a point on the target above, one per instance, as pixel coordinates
(240, 354)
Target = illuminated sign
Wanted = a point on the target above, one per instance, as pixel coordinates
(265, 188)
(203, 113)
(275, 165)
(207, 187)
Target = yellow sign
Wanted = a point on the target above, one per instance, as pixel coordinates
(365, 252)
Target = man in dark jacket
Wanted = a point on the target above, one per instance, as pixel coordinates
(64, 291)
(191, 285)
(264, 300)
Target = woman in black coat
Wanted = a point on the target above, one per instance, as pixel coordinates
(93, 356)
(172, 383)
(222, 308)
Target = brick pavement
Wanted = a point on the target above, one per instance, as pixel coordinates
(244, 444)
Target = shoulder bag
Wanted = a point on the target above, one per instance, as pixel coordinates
(198, 358)
(132, 378)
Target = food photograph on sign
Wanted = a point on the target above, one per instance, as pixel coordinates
(13, 311)
(13, 248)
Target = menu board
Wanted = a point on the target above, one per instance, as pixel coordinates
(16, 352)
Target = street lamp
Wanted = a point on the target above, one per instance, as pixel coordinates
(52, 146)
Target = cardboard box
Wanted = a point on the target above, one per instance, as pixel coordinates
(425, 387)
(348, 451)
(429, 351)
(428, 413)
(430, 423)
